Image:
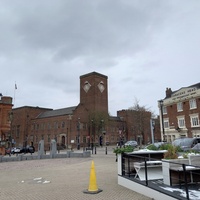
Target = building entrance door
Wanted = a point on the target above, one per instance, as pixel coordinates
(63, 140)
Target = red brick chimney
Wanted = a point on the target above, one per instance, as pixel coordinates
(168, 92)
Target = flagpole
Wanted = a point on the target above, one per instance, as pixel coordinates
(14, 94)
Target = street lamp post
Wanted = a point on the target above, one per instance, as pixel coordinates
(92, 135)
(67, 138)
(152, 125)
(69, 132)
(161, 110)
(78, 137)
(102, 132)
(26, 131)
(10, 135)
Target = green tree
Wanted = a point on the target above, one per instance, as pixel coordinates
(97, 123)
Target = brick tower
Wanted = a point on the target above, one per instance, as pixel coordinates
(94, 92)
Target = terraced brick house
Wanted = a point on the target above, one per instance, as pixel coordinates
(179, 113)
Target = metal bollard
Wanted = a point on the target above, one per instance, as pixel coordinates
(106, 150)
(95, 150)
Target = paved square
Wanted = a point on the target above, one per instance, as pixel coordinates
(63, 179)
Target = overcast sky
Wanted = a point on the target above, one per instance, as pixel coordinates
(143, 46)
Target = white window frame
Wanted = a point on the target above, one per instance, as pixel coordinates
(166, 123)
(181, 121)
(194, 120)
(193, 104)
(164, 109)
(179, 106)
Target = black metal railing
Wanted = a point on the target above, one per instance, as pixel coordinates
(183, 179)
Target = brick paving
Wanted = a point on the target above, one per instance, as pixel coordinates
(63, 179)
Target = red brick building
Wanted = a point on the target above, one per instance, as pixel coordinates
(179, 113)
(87, 123)
(5, 122)
(138, 126)
(23, 118)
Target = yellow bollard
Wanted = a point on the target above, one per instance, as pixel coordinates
(93, 188)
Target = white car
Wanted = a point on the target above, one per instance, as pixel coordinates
(16, 150)
(132, 143)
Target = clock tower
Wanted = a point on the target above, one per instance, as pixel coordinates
(94, 92)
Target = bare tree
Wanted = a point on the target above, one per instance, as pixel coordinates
(140, 122)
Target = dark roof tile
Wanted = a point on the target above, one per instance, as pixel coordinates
(58, 112)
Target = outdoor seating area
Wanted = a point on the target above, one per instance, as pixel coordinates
(186, 173)
(154, 170)
(161, 178)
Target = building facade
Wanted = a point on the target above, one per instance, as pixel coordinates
(22, 120)
(5, 122)
(82, 125)
(140, 126)
(179, 113)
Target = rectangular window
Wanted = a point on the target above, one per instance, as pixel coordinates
(41, 126)
(164, 110)
(33, 126)
(166, 123)
(84, 139)
(48, 126)
(63, 124)
(49, 138)
(181, 122)
(55, 125)
(31, 138)
(194, 120)
(18, 131)
(179, 106)
(193, 103)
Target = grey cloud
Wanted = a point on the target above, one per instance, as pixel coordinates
(46, 45)
(100, 28)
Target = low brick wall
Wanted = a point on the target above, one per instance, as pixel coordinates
(68, 154)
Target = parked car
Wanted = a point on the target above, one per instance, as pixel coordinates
(27, 149)
(16, 150)
(196, 147)
(186, 143)
(132, 143)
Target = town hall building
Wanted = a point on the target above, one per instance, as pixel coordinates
(82, 125)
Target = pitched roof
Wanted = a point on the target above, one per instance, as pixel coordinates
(58, 112)
(197, 85)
